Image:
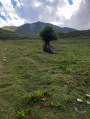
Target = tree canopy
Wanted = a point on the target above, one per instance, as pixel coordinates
(48, 34)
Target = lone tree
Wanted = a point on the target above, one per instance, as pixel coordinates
(48, 34)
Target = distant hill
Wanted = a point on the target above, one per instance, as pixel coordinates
(76, 34)
(9, 35)
(32, 30)
(9, 28)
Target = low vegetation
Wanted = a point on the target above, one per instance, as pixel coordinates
(9, 35)
(76, 34)
(34, 85)
(9, 28)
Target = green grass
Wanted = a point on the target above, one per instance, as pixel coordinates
(10, 35)
(34, 85)
(76, 34)
(9, 28)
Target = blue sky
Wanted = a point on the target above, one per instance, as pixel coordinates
(0, 4)
(14, 3)
(4, 18)
(70, 2)
(64, 13)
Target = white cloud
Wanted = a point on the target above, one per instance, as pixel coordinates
(68, 10)
(58, 12)
(18, 3)
(3, 23)
(10, 14)
(36, 3)
(81, 18)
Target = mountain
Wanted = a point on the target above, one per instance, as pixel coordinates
(32, 30)
(9, 28)
(9, 35)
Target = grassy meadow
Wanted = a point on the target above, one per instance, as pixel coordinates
(34, 85)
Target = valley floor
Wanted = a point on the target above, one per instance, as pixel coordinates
(34, 85)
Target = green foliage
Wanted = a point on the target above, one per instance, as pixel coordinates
(32, 98)
(48, 34)
(69, 69)
(35, 97)
(20, 115)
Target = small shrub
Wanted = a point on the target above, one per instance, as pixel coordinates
(20, 115)
(69, 70)
(35, 97)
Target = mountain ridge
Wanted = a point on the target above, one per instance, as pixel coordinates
(32, 30)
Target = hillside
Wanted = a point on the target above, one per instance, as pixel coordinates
(9, 35)
(76, 34)
(32, 30)
(9, 28)
(35, 85)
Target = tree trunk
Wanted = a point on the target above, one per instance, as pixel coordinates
(47, 43)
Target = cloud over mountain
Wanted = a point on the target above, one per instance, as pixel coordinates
(81, 18)
(71, 13)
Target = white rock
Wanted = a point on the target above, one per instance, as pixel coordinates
(44, 99)
(79, 100)
(5, 49)
(88, 102)
(88, 95)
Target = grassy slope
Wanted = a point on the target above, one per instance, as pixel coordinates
(9, 28)
(76, 34)
(9, 35)
(65, 75)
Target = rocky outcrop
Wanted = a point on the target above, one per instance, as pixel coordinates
(48, 49)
